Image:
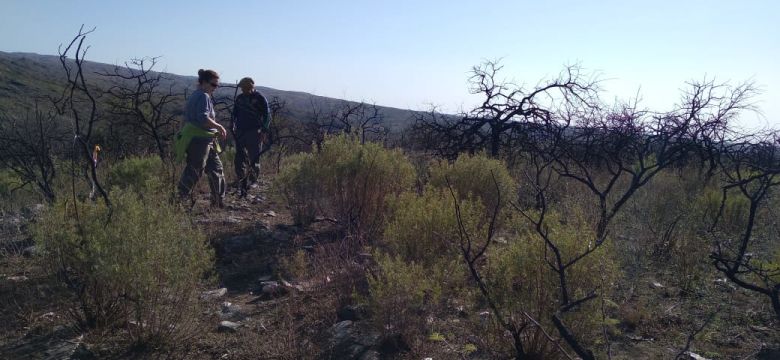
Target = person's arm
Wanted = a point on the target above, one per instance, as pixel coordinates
(201, 110)
(265, 117)
(213, 124)
(206, 120)
(233, 115)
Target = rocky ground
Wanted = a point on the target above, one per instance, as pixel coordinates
(251, 311)
(260, 307)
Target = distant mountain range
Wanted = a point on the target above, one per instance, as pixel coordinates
(25, 76)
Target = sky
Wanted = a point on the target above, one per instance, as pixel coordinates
(411, 54)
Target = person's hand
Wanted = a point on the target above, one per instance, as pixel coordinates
(222, 132)
(263, 137)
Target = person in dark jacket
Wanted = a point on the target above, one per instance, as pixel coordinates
(251, 121)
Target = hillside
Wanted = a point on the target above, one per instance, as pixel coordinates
(28, 75)
(597, 241)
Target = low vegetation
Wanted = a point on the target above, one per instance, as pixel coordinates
(347, 181)
(526, 228)
(136, 266)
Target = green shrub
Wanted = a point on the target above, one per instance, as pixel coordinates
(15, 194)
(346, 180)
(774, 267)
(401, 295)
(422, 272)
(8, 181)
(141, 174)
(733, 218)
(296, 264)
(473, 175)
(138, 267)
(665, 224)
(299, 184)
(420, 226)
(520, 279)
(732, 224)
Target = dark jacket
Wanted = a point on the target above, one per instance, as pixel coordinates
(251, 112)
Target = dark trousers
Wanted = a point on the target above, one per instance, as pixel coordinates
(247, 161)
(202, 155)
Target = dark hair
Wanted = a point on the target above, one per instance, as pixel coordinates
(207, 75)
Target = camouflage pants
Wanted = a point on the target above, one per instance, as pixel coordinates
(247, 161)
(202, 155)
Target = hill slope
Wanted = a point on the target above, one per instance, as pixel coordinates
(27, 75)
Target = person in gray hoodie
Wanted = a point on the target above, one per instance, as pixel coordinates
(202, 153)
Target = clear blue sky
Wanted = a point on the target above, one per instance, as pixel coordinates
(411, 53)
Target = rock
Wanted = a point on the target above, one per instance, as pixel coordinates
(353, 340)
(484, 317)
(213, 294)
(136, 324)
(725, 284)
(638, 338)
(232, 220)
(13, 220)
(353, 312)
(231, 312)
(656, 285)
(61, 343)
(288, 285)
(73, 349)
(228, 326)
(269, 290)
(17, 278)
(270, 213)
(30, 251)
(226, 306)
(500, 240)
(461, 310)
(760, 328)
(320, 218)
(694, 356)
(33, 211)
(82, 353)
(272, 289)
